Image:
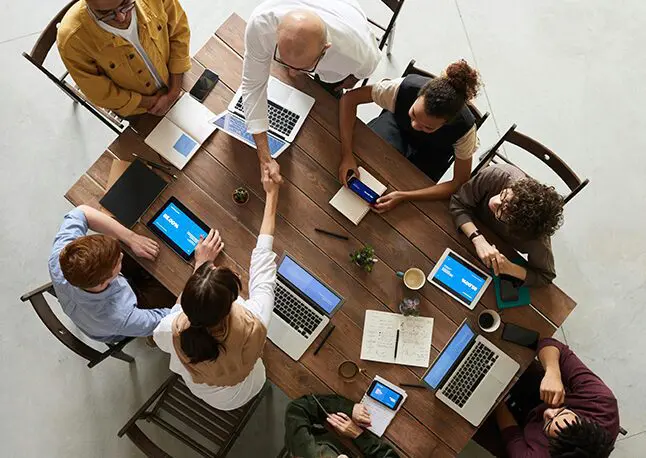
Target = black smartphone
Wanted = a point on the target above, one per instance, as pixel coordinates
(385, 395)
(362, 190)
(205, 83)
(521, 336)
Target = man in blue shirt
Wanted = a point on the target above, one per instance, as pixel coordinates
(86, 274)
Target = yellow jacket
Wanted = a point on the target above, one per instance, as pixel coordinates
(108, 69)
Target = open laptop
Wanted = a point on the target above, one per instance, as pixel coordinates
(470, 374)
(302, 308)
(287, 109)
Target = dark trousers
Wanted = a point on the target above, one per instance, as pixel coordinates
(150, 293)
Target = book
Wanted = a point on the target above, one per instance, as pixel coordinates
(397, 339)
(350, 204)
(182, 131)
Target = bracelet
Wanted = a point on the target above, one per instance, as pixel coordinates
(474, 234)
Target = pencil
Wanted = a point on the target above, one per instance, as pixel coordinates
(412, 385)
(163, 168)
(331, 234)
(318, 348)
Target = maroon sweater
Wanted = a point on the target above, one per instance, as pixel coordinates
(585, 394)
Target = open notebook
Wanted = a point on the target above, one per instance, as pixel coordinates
(351, 205)
(180, 133)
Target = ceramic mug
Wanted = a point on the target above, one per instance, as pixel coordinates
(489, 320)
(414, 278)
(348, 370)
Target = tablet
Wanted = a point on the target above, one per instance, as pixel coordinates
(178, 227)
(459, 279)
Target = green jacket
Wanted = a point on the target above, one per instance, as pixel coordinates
(307, 437)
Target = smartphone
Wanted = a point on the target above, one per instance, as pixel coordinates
(384, 395)
(521, 336)
(205, 83)
(362, 190)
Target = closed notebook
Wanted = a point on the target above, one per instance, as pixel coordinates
(132, 194)
(350, 204)
(523, 291)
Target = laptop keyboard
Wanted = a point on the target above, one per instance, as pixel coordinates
(472, 372)
(294, 312)
(280, 119)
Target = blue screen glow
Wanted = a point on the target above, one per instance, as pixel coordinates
(362, 190)
(449, 356)
(308, 285)
(385, 395)
(459, 278)
(179, 228)
(236, 127)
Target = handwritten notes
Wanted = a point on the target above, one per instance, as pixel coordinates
(380, 339)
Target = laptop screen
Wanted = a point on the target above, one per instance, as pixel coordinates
(451, 353)
(308, 285)
(235, 126)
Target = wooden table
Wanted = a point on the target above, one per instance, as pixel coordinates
(411, 235)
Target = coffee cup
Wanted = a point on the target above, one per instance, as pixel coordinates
(348, 370)
(489, 320)
(414, 278)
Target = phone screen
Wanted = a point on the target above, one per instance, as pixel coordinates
(519, 335)
(362, 190)
(204, 85)
(384, 395)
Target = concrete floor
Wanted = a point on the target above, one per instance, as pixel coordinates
(569, 73)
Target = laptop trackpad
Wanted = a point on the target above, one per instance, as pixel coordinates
(279, 93)
(486, 394)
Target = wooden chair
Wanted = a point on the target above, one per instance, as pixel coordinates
(536, 149)
(411, 69)
(37, 57)
(47, 316)
(174, 409)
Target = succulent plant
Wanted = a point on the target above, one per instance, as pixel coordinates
(364, 258)
(241, 195)
(409, 306)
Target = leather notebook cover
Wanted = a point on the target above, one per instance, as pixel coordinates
(133, 193)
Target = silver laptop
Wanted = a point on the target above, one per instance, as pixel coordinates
(302, 308)
(287, 109)
(470, 374)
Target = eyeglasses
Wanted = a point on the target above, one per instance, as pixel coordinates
(304, 70)
(558, 413)
(113, 14)
(500, 211)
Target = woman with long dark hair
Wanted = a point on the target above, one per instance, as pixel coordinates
(215, 338)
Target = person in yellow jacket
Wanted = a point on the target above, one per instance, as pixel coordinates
(128, 56)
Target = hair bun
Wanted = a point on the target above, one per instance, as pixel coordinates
(464, 79)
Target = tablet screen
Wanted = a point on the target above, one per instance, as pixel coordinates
(460, 278)
(179, 227)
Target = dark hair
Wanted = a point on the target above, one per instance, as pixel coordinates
(446, 95)
(90, 260)
(206, 301)
(535, 210)
(581, 439)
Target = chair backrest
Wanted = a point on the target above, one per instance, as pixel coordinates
(177, 411)
(395, 6)
(47, 37)
(541, 152)
(411, 69)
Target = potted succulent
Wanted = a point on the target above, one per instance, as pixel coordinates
(364, 258)
(240, 195)
(409, 306)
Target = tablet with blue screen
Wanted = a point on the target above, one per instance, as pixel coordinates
(178, 227)
(459, 279)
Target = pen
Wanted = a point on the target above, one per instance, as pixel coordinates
(331, 234)
(396, 343)
(412, 385)
(155, 165)
(324, 339)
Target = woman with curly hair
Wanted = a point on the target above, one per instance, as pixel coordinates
(426, 119)
(522, 211)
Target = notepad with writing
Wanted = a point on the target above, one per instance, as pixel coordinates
(181, 132)
(351, 205)
(381, 342)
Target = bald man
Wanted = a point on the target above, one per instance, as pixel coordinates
(331, 39)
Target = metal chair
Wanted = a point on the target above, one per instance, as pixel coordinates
(47, 316)
(411, 69)
(174, 408)
(389, 31)
(37, 57)
(536, 149)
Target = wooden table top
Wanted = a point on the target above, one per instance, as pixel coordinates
(410, 235)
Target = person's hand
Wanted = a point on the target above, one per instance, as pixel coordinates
(501, 265)
(208, 248)
(361, 416)
(388, 202)
(269, 185)
(348, 164)
(273, 169)
(552, 390)
(347, 83)
(143, 247)
(344, 425)
(486, 252)
(163, 103)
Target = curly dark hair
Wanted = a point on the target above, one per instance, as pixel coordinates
(534, 210)
(445, 96)
(582, 439)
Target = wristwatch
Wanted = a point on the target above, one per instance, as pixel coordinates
(474, 234)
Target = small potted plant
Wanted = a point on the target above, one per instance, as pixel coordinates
(409, 306)
(364, 258)
(241, 195)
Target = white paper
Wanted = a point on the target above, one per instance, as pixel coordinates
(351, 205)
(163, 138)
(192, 117)
(381, 416)
(380, 338)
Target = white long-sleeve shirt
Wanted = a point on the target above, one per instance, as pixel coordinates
(262, 283)
(354, 50)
